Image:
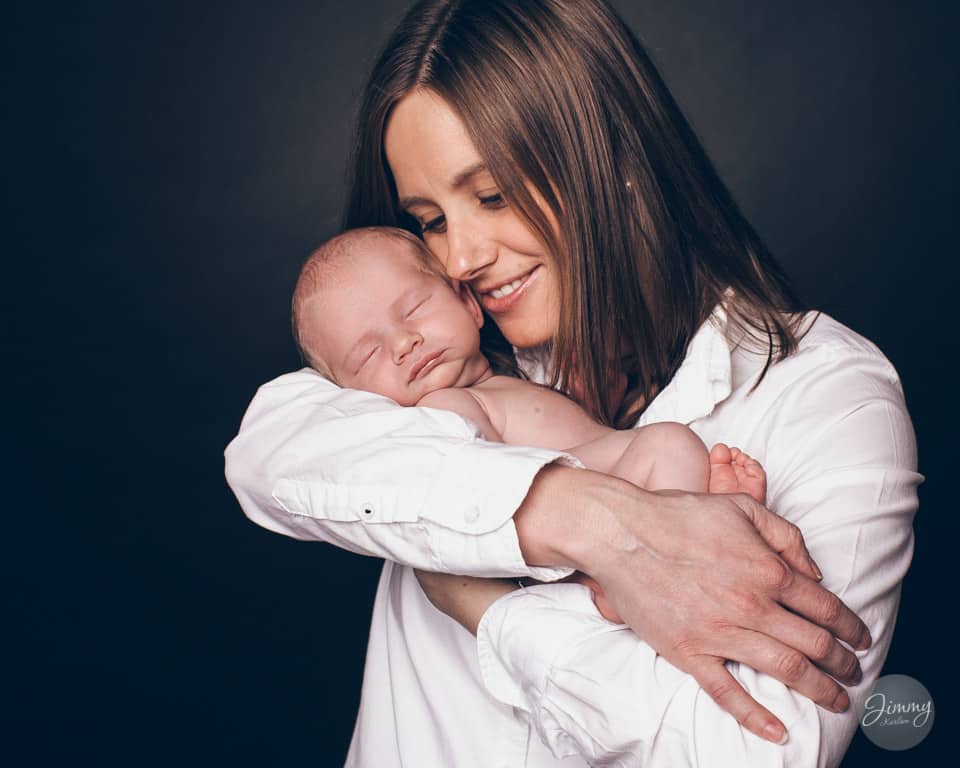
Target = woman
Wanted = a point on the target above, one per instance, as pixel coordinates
(535, 148)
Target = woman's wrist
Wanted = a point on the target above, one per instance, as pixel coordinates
(570, 518)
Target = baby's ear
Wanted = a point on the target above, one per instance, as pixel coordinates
(469, 301)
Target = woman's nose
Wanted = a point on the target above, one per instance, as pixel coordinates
(404, 345)
(469, 252)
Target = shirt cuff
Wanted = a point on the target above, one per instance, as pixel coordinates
(523, 633)
(474, 531)
(522, 642)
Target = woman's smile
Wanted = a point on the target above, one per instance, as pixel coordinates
(505, 296)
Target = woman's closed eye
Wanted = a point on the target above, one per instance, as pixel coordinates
(436, 225)
(494, 200)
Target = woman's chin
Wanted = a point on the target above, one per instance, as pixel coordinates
(525, 335)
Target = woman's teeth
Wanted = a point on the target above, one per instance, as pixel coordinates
(506, 290)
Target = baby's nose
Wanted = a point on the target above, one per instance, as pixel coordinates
(406, 343)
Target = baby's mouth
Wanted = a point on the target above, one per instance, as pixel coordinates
(425, 364)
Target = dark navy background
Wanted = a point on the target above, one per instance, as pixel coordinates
(170, 164)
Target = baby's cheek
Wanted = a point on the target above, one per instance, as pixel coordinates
(400, 392)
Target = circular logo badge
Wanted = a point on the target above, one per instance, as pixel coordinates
(898, 713)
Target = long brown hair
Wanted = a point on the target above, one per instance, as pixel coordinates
(561, 95)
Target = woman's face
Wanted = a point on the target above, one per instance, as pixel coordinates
(443, 183)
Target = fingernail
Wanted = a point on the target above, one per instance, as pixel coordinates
(841, 703)
(816, 570)
(775, 733)
(865, 641)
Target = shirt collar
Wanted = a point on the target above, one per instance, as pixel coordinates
(703, 379)
(534, 362)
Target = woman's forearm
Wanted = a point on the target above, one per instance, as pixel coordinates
(415, 486)
(463, 598)
(568, 517)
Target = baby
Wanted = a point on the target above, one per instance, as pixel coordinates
(373, 310)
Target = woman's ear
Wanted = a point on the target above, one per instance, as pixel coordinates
(469, 301)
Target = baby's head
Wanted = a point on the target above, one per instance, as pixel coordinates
(373, 310)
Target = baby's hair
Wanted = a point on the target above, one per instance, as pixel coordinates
(325, 259)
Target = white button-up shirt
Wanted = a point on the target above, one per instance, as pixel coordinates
(547, 678)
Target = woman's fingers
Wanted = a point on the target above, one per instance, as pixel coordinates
(783, 537)
(822, 607)
(739, 590)
(722, 687)
(792, 589)
(815, 643)
(790, 665)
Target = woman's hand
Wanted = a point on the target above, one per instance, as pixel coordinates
(703, 579)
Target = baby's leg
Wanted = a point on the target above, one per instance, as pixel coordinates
(672, 455)
(603, 453)
(655, 457)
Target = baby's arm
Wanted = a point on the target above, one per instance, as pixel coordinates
(463, 402)
(653, 457)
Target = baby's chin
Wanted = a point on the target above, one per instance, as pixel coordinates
(406, 399)
(412, 396)
(446, 378)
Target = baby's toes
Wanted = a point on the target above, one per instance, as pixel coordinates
(720, 454)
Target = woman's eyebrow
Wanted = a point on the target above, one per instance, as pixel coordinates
(463, 178)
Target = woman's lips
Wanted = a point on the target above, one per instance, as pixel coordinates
(506, 303)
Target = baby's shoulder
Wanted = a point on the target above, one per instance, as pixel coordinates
(499, 386)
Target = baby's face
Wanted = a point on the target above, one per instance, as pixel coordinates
(383, 325)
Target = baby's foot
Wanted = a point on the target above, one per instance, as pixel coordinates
(733, 471)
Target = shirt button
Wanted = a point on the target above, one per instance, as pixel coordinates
(472, 514)
(366, 511)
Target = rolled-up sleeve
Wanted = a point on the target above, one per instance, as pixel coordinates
(841, 449)
(417, 486)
